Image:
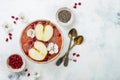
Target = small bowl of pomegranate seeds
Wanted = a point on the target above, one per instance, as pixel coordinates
(15, 63)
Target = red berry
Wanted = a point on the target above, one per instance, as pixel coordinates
(79, 3)
(78, 55)
(14, 22)
(28, 74)
(12, 17)
(74, 54)
(74, 7)
(6, 40)
(74, 60)
(16, 18)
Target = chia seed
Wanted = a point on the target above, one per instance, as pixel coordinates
(64, 16)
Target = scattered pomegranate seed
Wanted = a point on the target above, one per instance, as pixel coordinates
(10, 34)
(12, 17)
(10, 37)
(16, 18)
(6, 40)
(74, 60)
(28, 74)
(74, 54)
(79, 3)
(78, 55)
(14, 22)
(26, 70)
(75, 3)
(74, 6)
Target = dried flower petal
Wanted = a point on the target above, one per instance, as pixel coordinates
(7, 27)
(31, 33)
(52, 48)
(36, 75)
(23, 18)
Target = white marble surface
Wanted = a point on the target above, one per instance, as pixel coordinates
(96, 20)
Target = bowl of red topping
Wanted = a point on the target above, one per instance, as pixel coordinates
(15, 63)
(41, 41)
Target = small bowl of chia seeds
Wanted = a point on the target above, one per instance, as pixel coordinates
(64, 16)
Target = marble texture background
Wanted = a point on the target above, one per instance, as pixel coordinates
(97, 20)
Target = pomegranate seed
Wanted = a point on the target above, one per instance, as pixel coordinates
(43, 22)
(54, 27)
(74, 60)
(75, 3)
(6, 40)
(14, 22)
(28, 74)
(10, 37)
(32, 26)
(12, 17)
(26, 70)
(16, 18)
(78, 55)
(10, 34)
(34, 39)
(74, 54)
(59, 35)
(79, 3)
(74, 7)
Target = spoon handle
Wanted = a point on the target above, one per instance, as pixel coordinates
(60, 60)
(70, 44)
(66, 61)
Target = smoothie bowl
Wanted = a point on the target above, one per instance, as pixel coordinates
(41, 41)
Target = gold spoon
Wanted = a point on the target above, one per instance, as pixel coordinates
(77, 41)
(72, 34)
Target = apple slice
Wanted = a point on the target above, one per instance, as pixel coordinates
(43, 33)
(38, 52)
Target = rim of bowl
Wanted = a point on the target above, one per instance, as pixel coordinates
(70, 21)
(16, 70)
(50, 59)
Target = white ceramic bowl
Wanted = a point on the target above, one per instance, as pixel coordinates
(16, 70)
(71, 19)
